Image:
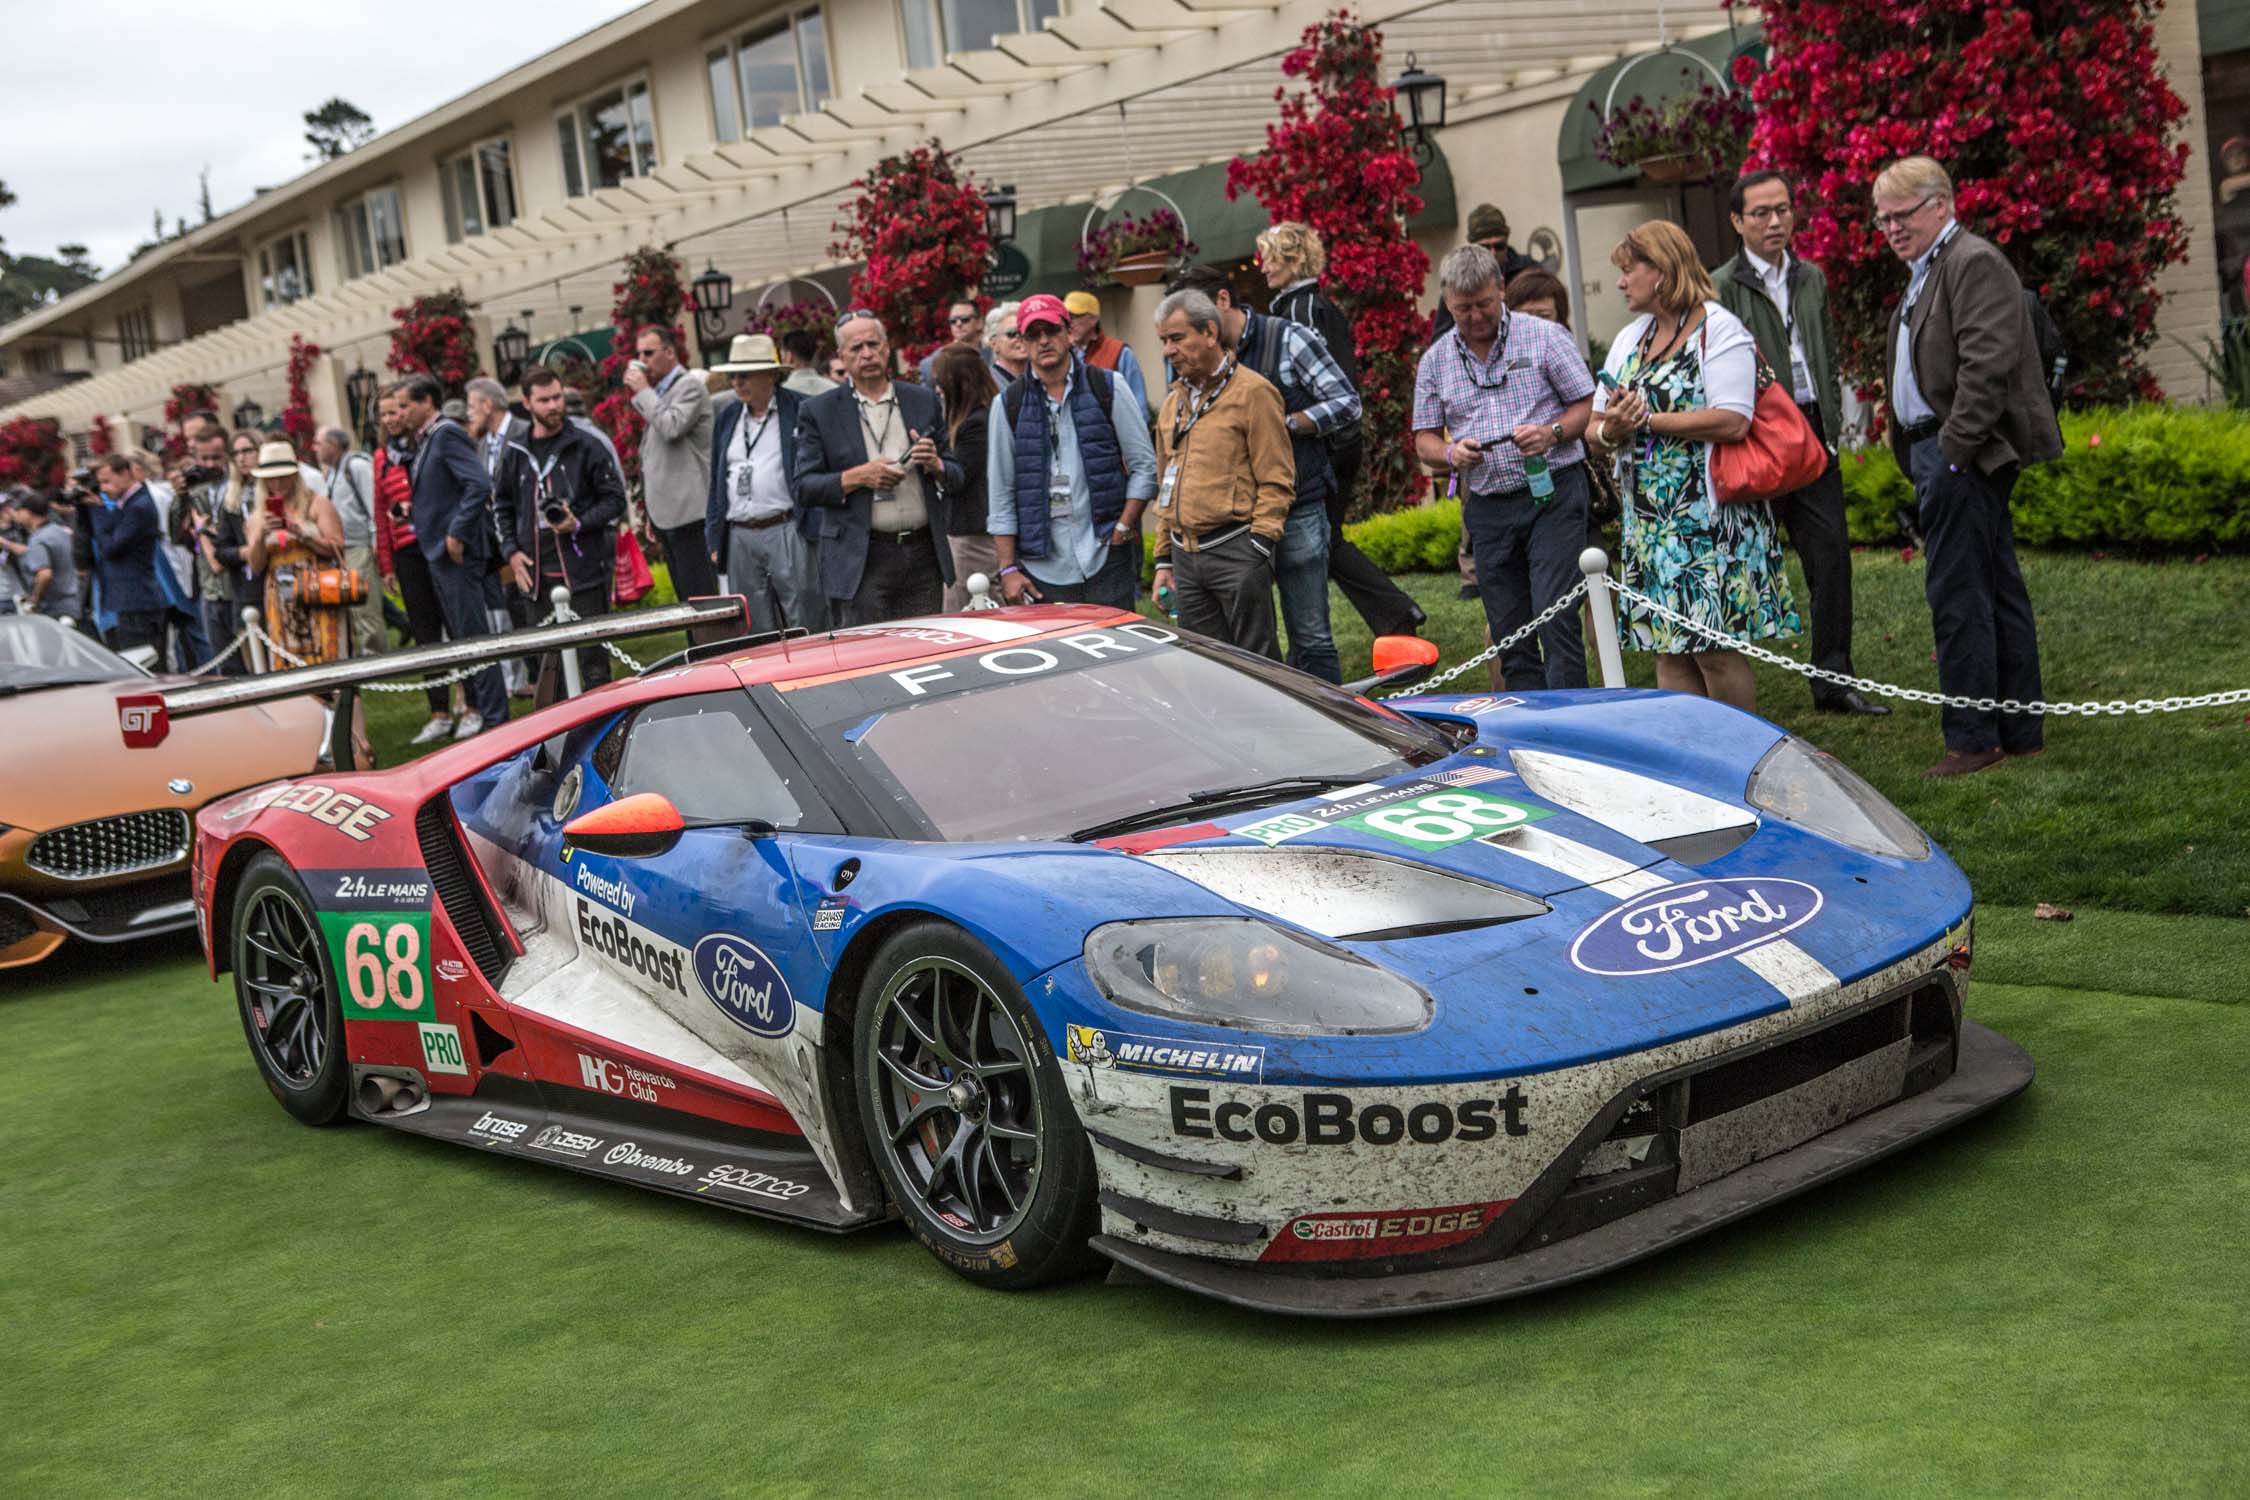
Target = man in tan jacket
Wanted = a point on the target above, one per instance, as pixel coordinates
(1226, 478)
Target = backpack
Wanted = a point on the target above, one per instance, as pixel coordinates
(1098, 380)
(2054, 355)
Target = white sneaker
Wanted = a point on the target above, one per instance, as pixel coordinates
(438, 728)
(471, 725)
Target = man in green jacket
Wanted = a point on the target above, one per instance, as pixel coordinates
(1784, 301)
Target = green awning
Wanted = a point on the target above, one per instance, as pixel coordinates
(1657, 77)
(594, 342)
(1223, 230)
(2224, 26)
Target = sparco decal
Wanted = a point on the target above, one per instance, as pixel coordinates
(563, 1142)
(745, 984)
(622, 1079)
(1097, 1048)
(1339, 1119)
(609, 892)
(1680, 926)
(350, 816)
(626, 1154)
(751, 1184)
(498, 1127)
(619, 941)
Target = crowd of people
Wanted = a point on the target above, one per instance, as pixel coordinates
(1029, 450)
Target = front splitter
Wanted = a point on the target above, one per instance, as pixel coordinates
(1991, 1070)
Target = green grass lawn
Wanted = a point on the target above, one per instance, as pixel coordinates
(198, 1296)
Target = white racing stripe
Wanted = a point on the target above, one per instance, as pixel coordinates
(1789, 969)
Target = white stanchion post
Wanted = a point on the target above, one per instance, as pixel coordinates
(256, 645)
(559, 597)
(1594, 563)
(980, 592)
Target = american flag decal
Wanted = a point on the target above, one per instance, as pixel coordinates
(1471, 775)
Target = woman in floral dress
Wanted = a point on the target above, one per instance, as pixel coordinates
(1685, 374)
(293, 532)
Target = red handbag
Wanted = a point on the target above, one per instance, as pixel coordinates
(632, 579)
(1777, 455)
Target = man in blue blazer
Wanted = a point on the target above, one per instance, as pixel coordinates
(753, 528)
(452, 509)
(872, 458)
(125, 530)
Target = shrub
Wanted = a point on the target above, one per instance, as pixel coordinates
(1422, 540)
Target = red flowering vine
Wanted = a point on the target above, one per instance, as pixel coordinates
(297, 416)
(2053, 118)
(651, 294)
(1337, 161)
(917, 223)
(435, 335)
(97, 437)
(186, 400)
(813, 315)
(33, 452)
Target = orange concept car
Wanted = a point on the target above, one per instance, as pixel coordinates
(94, 837)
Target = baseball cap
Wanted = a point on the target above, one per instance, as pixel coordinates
(1044, 308)
(1082, 302)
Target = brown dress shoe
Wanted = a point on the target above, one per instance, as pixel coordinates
(1963, 763)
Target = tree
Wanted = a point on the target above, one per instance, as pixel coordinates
(203, 192)
(335, 128)
(2052, 117)
(1336, 161)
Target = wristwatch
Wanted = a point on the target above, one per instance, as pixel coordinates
(1556, 428)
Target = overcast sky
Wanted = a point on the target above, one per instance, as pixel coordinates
(161, 89)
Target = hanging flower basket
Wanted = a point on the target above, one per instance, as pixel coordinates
(1688, 137)
(1671, 169)
(1141, 268)
(1129, 251)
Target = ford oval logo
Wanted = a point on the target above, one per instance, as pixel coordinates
(745, 984)
(1693, 923)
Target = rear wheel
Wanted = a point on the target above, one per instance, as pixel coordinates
(287, 992)
(966, 1113)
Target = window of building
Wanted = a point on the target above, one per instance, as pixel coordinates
(479, 187)
(936, 27)
(284, 270)
(136, 333)
(777, 69)
(370, 233)
(607, 138)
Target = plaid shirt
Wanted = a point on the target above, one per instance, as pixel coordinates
(1306, 364)
(1534, 372)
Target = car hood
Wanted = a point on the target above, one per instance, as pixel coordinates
(63, 761)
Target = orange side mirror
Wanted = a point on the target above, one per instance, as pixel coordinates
(635, 827)
(1395, 651)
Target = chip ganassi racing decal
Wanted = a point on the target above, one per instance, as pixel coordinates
(1369, 1236)
(1100, 1048)
(1693, 922)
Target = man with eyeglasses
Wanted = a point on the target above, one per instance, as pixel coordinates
(1004, 342)
(1969, 409)
(870, 458)
(966, 325)
(675, 455)
(1783, 299)
(1509, 388)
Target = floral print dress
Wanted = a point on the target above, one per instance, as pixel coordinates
(1720, 565)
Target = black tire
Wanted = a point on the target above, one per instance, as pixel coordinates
(285, 987)
(993, 1175)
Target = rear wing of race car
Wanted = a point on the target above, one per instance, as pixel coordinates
(145, 719)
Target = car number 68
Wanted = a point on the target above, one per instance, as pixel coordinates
(1445, 817)
(369, 979)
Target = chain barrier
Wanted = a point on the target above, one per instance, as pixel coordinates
(232, 646)
(1577, 592)
(563, 614)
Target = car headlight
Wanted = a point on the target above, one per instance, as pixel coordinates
(1246, 973)
(1814, 790)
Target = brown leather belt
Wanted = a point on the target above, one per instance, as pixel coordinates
(762, 522)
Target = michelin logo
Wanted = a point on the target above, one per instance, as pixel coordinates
(609, 892)
(1096, 1048)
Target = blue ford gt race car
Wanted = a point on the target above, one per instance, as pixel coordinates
(1058, 934)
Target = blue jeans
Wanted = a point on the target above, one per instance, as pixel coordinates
(1300, 568)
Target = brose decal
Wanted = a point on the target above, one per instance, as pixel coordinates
(1097, 1048)
(1340, 1120)
(498, 1127)
(441, 1050)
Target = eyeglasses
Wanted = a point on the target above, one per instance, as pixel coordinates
(1044, 331)
(1767, 215)
(958, 322)
(854, 315)
(1892, 221)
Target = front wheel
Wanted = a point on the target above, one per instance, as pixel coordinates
(966, 1113)
(287, 992)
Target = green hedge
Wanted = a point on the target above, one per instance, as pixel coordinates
(2160, 478)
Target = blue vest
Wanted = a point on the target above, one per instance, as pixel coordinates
(1316, 476)
(1098, 451)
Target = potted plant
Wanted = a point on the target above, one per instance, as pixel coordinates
(1687, 138)
(1134, 252)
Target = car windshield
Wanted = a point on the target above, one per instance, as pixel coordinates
(38, 653)
(1038, 740)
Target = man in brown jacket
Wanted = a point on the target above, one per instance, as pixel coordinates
(1969, 409)
(1225, 481)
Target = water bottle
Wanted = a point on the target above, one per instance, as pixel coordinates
(1164, 601)
(1541, 482)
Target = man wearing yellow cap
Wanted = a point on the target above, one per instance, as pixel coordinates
(1102, 351)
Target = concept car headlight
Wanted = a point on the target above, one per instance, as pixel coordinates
(1241, 972)
(1815, 790)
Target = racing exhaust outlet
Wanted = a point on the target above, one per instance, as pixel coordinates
(383, 1095)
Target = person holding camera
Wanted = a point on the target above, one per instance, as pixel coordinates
(558, 501)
